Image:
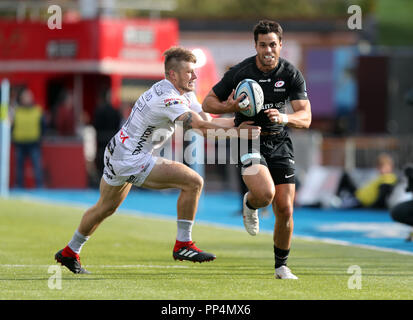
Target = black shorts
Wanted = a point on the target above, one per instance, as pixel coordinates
(273, 151)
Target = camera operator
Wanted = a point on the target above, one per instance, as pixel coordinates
(403, 212)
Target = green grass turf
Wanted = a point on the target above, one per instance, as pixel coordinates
(130, 257)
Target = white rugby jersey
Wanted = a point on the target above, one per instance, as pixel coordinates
(151, 121)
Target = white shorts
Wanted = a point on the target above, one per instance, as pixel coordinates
(134, 170)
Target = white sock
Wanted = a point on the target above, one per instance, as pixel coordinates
(184, 230)
(77, 242)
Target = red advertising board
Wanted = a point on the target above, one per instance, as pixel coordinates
(109, 47)
(127, 40)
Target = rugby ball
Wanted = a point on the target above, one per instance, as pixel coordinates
(254, 97)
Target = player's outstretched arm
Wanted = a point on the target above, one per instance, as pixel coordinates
(192, 120)
(212, 104)
(224, 122)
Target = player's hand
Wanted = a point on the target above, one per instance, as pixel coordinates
(248, 130)
(233, 104)
(273, 115)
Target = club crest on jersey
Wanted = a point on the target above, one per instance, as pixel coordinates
(279, 84)
(172, 101)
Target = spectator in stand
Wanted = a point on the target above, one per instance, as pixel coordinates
(373, 194)
(28, 126)
(106, 121)
(65, 118)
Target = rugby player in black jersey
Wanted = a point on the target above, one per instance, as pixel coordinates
(268, 172)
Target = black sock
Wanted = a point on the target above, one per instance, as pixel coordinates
(250, 206)
(280, 256)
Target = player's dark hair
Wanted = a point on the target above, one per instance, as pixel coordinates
(175, 55)
(267, 26)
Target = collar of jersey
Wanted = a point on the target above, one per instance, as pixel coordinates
(173, 87)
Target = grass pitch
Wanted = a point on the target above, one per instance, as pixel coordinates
(130, 257)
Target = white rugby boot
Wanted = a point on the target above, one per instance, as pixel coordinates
(284, 272)
(250, 217)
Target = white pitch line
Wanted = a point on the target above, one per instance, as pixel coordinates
(135, 266)
(138, 214)
(23, 265)
(350, 244)
(94, 266)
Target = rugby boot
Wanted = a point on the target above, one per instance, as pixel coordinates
(188, 251)
(66, 257)
(250, 218)
(284, 272)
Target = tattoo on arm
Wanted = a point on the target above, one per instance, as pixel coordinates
(187, 121)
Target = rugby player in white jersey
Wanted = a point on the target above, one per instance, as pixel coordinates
(129, 158)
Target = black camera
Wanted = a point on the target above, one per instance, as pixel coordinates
(408, 171)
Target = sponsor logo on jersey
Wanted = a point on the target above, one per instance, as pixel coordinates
(265, 80)
(172, 101)
(143, 138)
(278, 105)
(123, 136)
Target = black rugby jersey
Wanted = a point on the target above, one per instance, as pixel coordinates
(282, 84)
